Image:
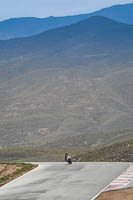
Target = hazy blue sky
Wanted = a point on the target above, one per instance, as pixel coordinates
(44, 8)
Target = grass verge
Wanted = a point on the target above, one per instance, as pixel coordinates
(11, 171)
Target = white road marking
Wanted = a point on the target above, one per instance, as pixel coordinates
(123, 180)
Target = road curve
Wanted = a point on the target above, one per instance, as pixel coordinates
(59, 181)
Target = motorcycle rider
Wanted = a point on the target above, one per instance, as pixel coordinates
(68, 158)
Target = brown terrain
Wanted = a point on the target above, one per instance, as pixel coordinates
(9, 172)
(117, 195)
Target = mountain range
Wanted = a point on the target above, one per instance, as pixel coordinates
(92, 42)
(69, 86)
(24, 27)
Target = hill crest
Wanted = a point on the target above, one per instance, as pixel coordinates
(24, 27)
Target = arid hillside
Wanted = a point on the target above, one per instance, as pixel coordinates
(68, 86)
(66, 107)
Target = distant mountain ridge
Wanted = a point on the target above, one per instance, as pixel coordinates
(24, 27)
(120, 13)
(69, 86)
(92, 36)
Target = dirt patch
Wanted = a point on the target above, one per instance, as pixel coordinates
(2, 167)
(9, 172)
(8, 169)
(117, 195)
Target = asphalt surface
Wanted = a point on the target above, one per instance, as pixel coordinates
(125, 180)
(59, 181)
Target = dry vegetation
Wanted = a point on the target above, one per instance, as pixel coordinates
(68, 107)
(122, 151)
(117, 152)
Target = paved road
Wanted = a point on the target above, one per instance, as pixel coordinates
(125, 180)
(59, 181)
